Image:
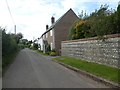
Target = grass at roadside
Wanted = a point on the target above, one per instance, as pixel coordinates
(50, 53)
(40, 52)
(6, 61)
(103, 71)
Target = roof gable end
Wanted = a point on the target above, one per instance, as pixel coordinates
(70, 11)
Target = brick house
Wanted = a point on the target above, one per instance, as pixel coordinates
(58, 31)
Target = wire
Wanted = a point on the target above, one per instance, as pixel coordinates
(11, 16)
(10, 12)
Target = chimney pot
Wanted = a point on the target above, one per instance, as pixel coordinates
(47, 27)
(52, 20)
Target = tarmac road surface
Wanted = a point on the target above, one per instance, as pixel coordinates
(32, 70)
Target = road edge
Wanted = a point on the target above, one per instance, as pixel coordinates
(94, 77)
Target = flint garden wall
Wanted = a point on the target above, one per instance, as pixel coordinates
(94, 50)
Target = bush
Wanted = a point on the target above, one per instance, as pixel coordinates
(40, 51)
(53, 50)
(48, 53)
(48, 48)
(21, 46)
(53, 54)
(35, 46)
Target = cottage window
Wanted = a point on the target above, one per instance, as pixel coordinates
(43, 37)
(51, 46)
(46, 35)
(51, 32)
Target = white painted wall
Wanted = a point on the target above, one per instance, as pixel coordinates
(40, 41)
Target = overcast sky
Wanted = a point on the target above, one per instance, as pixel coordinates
(31, 16)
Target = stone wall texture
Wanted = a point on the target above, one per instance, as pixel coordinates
(104, 52)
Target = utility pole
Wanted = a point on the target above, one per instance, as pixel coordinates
(15, 29)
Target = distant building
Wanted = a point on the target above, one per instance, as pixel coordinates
(58, 31)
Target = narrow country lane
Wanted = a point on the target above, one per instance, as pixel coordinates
(32, 70)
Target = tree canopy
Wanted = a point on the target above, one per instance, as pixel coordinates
(99, 23)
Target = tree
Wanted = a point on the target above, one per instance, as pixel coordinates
(83, 15)
(30, 42)
(18, 37)
(35, 46)
(99, 23)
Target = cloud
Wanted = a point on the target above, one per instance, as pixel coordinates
(31, 16)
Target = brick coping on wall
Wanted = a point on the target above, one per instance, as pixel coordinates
(93, 38)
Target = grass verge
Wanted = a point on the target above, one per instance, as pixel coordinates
(103, 71)
(40, 52)
(7, 60)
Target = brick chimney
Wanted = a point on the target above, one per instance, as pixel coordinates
(47, 27)
(52, 20)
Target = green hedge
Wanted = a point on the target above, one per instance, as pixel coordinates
(9, 48)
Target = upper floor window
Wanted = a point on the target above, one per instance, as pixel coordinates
(51, 32)
(46, 35)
